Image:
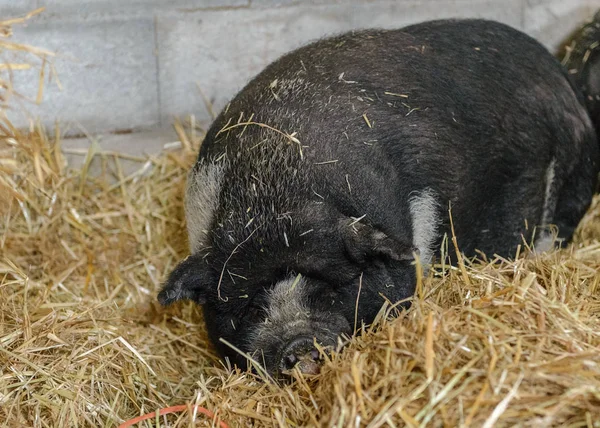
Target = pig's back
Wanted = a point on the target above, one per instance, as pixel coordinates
(469, 109)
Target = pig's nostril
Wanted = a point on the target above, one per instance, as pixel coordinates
(300, 353)
(290, 361)
(314, 354)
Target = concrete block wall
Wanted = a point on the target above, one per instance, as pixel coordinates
(137, 64)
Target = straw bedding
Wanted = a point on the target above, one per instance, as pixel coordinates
(84, 343)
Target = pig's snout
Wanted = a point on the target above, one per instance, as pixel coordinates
(293, 325)
(302, 354)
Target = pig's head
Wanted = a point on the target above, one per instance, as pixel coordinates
(277, 275)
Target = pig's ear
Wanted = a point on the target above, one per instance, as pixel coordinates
(188, 281)
(365, 243)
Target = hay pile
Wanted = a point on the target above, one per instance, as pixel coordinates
(83, 342)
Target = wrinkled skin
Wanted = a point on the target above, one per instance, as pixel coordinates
(317, 187)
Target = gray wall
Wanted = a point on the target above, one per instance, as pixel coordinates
(136, 64)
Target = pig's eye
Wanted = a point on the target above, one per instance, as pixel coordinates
(256, 308)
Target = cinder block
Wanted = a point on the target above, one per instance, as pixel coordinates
(283, 3)
(14, 8)
(107, 70)
(140, 144)
(87, 8)
(221, 51)
(552, 21)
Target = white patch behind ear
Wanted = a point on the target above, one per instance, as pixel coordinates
(425, 223)
(550, 194)
(201, 201)
(545, 241)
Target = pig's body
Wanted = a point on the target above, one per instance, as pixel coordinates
(316, 185)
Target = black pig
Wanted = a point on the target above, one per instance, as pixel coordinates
(324, 178)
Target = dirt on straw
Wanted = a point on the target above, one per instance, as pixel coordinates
(84, 343)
